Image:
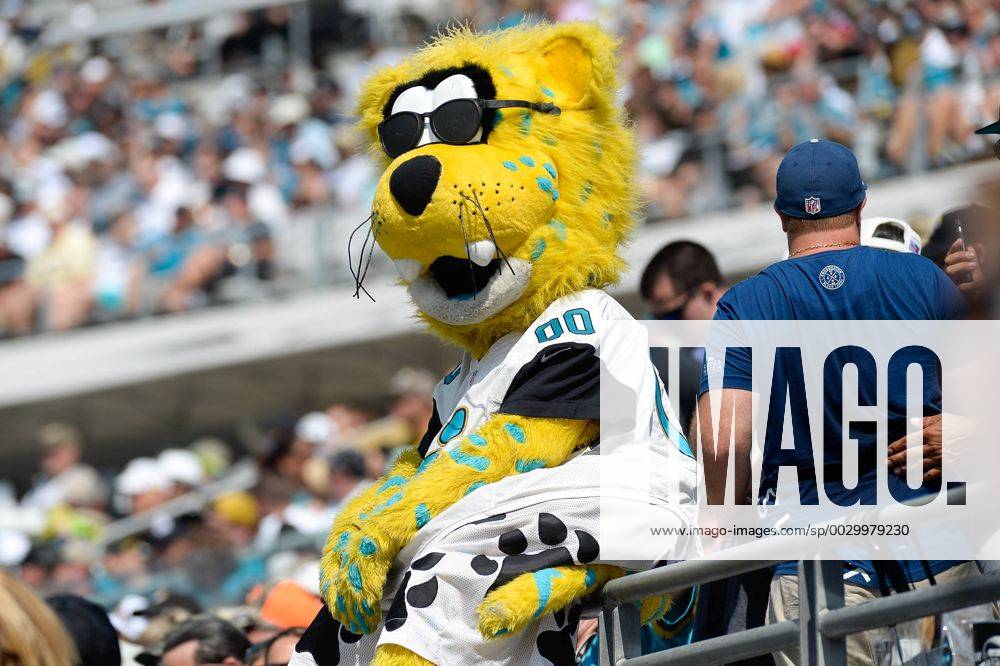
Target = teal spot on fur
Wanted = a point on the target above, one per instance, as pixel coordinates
(354, 575)
(539, 249)
(591, 279)
(547, 91)
(341, 542)
(607, 219)
(386, 504)
(509, 165)
(525, 123)
(343, 558)
(551, 169)
(367, 547)
(423, 515)
(478, 440)
(514, 431)
(526, 161)
(523, 466)
(478, 463)
(507, 71)
(543, 582)
(555, 195)
(502, 632)
(550, 140)
(545, 184)
(393, 481)
(475, 486)
(588, 188)
(324, 588)
(341, 606)
(497, 117)
(425, 463)
(560, 229)
(590, 578)
(366, 607)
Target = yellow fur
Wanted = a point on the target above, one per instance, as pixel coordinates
(510, 445)
(589, 145)
(391, 654)
(558, 192)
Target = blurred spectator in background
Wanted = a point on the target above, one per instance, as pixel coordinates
(64, 477)
(347, 475)
(95, 638)
(213, 162)
(682, 281)
(970, 257)
(30, 632)
(204, 640)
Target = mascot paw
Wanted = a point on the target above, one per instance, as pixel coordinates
(354, 574)
(514, 605)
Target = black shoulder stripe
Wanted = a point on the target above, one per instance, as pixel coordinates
(433, 428)
(561, 381)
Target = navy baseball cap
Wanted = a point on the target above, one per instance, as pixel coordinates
(819, 178)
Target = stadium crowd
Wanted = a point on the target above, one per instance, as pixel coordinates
(125, 193)
(135, 179)
(249, 551)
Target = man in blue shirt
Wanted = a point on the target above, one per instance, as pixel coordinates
(828, 275)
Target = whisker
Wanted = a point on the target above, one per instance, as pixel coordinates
(359, 271)
(489, 229)
(371, 253)
(355, 273)
(468, 252)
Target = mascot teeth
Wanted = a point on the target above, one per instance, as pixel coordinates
(409, 269)
(482, 252)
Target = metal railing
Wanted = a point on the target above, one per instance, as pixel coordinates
(818, 634)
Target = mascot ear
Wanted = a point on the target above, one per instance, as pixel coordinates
(576, 58)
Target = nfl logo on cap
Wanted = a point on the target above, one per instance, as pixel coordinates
(812, 205)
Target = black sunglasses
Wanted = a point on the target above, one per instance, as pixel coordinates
(264, 647)
(455, 122)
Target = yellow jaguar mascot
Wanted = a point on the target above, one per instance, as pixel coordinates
(508, 188)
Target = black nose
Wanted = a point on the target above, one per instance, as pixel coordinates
(413, 183)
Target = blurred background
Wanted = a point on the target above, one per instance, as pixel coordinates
(187, 387)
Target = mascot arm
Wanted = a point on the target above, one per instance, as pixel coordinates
(357, 564)
(348, 521)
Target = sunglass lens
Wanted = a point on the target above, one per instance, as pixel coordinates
(400, 132)
(456, 121)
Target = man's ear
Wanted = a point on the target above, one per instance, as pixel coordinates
(576, 64)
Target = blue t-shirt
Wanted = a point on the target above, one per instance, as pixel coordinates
(858, 283)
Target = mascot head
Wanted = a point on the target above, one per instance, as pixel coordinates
(509, 174)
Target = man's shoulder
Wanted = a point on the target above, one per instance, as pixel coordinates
(750, 291)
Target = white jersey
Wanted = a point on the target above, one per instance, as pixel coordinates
(544, 517)
(554, 369)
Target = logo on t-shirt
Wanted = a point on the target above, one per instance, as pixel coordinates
(832, 277)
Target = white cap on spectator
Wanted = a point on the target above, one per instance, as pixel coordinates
(317, 428)
(14, 547)
(95, 147)
(124, 619)
(49, 109)
(889, 233)
(141, 475)
(289, 109)
(245, 165)
(83, 487)
(171, 126)
(52, 201)
(95, 70)
(182, 466)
